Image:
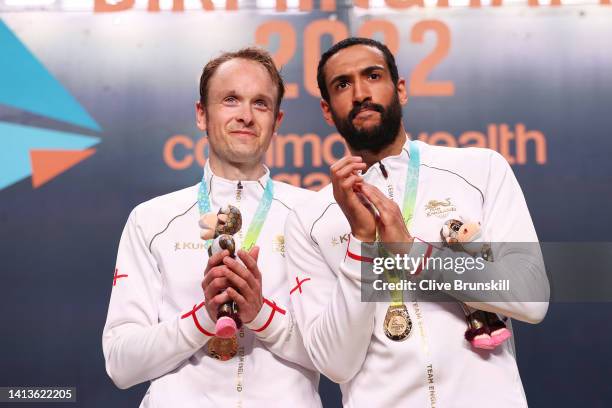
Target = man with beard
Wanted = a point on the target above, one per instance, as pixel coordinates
(407, 352)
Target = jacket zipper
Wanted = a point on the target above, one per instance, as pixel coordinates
(385, 174)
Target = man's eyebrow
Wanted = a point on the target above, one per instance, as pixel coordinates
(235, 93)
(338, 78)
(263, 96)
(366, 70)
(372, 68)
(228, 92)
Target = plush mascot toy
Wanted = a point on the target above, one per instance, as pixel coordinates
(220, 227)
(485, 329)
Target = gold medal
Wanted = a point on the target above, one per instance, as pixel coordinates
(397, 323)
(223, 349)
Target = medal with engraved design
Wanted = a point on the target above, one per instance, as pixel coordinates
(223, 349)
(397, 325)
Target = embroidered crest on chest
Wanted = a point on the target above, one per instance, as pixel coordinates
(439, 208)
(278, 244)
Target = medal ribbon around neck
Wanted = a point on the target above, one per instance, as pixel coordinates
(258, 220)
(397, 301)
(410, 191)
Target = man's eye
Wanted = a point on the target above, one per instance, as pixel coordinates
(261, 104)
(342, 85)
(230, 99)
(374, 75)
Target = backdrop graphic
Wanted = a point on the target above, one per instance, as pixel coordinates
(534, 83)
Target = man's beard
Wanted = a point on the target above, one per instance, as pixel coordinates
(376, 138)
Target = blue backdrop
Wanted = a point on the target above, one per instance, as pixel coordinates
(96, 116)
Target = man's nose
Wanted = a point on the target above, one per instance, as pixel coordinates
(361, 92)
(245, 115)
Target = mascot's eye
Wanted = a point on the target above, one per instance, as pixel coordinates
(456, 227)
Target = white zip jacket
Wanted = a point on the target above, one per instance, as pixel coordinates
(157, 328)
(435, 366)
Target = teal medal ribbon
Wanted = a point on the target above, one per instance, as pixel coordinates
(412, 181)
(258, 220)
(397, 324)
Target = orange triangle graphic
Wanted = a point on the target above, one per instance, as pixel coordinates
(48, 164)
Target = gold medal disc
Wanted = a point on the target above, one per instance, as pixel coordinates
(397, 325)
(223, 349)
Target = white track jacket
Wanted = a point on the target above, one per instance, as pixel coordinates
(435, 366)
(157, 328)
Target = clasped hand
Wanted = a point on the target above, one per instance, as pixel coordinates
(366, 208)
(226, 279)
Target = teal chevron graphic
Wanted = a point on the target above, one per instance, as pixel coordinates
(31, 151)
(15, 149)
(27, 85)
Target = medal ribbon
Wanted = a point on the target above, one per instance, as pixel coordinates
(258, 220)
(397, 299)
(410, 191)
(412, 181)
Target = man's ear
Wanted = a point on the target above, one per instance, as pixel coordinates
(402, 94)
(327, 115)
(200, 116)
(279, 119)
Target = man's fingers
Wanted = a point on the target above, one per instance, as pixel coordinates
(217, 286)
(388, 210)
(237, 297)
(254, 253)
(384, 205)
(241, 271)
(344, 167)
(344, 161)
(240, 284)
(216, 259)
(215, 272)
(374, 196)
(250, 261)
(349, 169)
(391, 214)
(219, 299)
(367, 204)
(349, 182)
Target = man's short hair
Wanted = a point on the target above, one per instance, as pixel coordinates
(255, 54)
(349, 42)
